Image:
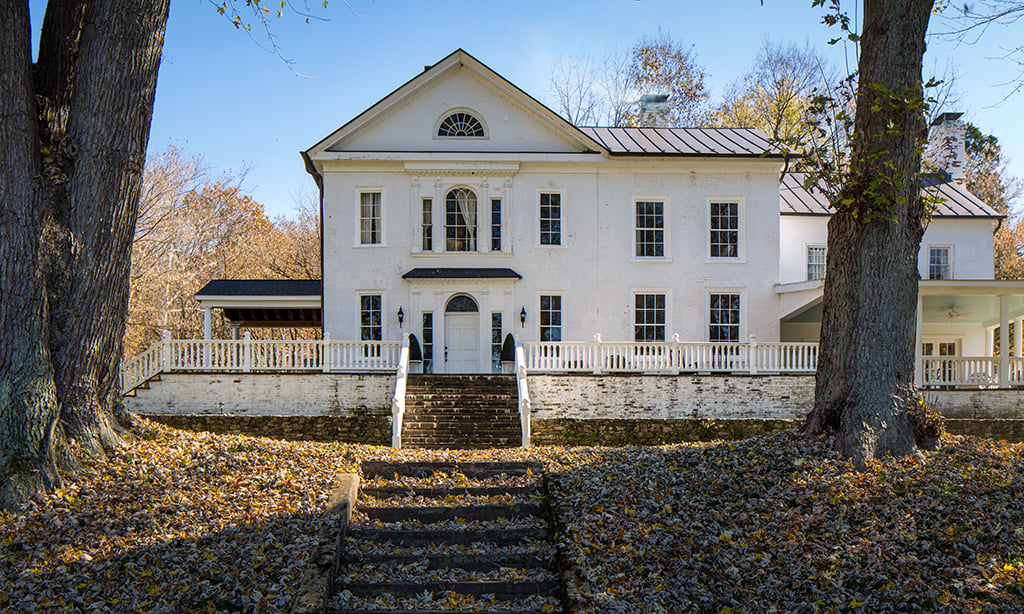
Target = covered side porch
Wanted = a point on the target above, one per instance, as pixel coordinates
(968, 331)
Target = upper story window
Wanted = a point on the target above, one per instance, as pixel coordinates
(550, 218)
(650, 229)
(815, 262)
(939, 263)
(427, 225)
(725, 230)
(460, 221)
(369, 218)
(460, 124)
(495, 224)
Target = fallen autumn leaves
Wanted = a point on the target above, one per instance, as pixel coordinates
(193, 522)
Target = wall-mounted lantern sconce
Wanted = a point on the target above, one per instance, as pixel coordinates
(522, 318)
(401, 316)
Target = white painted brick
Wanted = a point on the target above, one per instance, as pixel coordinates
(267, 394)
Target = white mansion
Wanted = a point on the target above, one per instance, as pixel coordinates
(460, 209)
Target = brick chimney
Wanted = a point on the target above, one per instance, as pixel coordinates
(946, 149)
(654, 111)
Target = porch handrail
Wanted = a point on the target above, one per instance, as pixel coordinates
(398, 401)
(523, 393)
(980, 371)
(673, 356)
(251, 355)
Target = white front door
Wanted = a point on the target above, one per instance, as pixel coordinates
(462, 342)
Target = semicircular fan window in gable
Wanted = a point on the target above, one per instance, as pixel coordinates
(460, 123)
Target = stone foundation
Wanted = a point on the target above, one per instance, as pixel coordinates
(618, 432)
(374, 430)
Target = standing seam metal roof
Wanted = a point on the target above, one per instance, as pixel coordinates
(746, 142)
(956, 200)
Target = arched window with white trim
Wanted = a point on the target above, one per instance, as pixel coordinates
(460, 220)
(461, 124)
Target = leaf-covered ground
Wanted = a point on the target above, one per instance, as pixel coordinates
(193, 522)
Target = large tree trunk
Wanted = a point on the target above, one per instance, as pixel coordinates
(865, 379)
(105, 136)
(28, 404)
(70, 182)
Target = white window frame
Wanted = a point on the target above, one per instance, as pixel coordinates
(666, 229)
(447, 112)
(561, 311)
(667, 291)
(807, 260)
(561, 218)
(949, 264)
(741, 230)
(742, 333)
(433, 226)
(359, 313)
(358, 200)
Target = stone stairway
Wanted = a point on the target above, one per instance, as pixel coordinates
(461, 411)
(448, 537)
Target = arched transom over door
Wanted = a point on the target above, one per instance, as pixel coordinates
(462, 335)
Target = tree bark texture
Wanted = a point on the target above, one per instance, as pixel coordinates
(71, 178)
(28, 404)
(865, 378)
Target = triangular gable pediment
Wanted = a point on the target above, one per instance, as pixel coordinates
(407, 118)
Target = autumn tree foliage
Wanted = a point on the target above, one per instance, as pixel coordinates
(989, 178)
(608, 92)
(775, 95)
(194, 227)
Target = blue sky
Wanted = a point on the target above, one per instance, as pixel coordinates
(222, 96)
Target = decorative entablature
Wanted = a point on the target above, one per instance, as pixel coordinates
(461, 169)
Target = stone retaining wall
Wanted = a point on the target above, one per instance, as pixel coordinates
(618, 432)
(374, 430)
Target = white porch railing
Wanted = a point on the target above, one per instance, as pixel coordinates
(972, 371)
(248, 355)
(670, 357)
(398, 401)
(523, 393)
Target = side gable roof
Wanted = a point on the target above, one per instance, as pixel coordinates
(456, 59)
(956, 201)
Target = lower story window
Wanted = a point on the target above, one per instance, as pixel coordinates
(649, 317)
(550, 318)
(371, 325)
(725, 318)
(428, 342)
(496, 342)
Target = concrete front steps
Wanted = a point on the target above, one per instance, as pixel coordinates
(461, 411)
(448, 537)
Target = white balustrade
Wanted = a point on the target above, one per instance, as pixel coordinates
(963, 370)
(522, 392)
(398, 400)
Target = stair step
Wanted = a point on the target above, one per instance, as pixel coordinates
(428, 515)
(469, 562)
(386, 469)
(449, 536)
(502, 591)
(376, 611)
(388, 492)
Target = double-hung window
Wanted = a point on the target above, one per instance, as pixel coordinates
(428, 342)
(939, 265)
(371, 325)
(650, 229)
(648, 317)
(724, 317)
(496, 341)
(370, 218)
(725, 230)
(815, 262)
(550, 218)
(550, 318)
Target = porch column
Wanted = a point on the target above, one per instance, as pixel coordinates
(1004, 341)
(234, 331)
(1017, 337)
(207, 335)
(918, 341)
